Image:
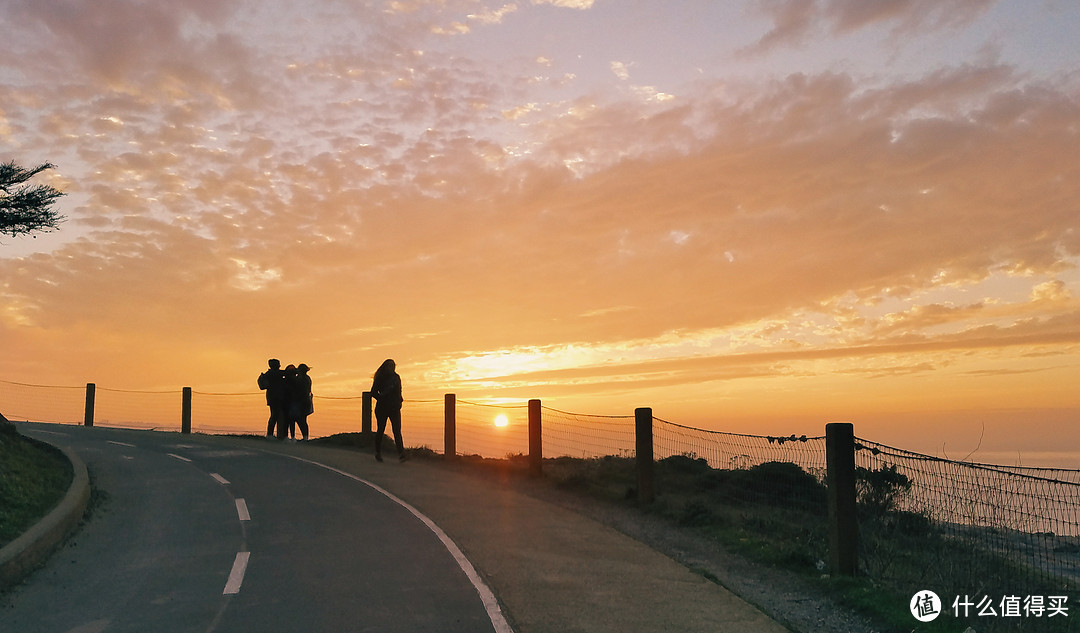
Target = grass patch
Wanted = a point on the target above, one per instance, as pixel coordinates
(33, 478)
(355, 441)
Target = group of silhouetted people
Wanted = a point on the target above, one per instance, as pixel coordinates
(288, 394)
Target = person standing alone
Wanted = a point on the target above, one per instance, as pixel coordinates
(386, 389)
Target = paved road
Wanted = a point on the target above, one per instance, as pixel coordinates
(197, 535)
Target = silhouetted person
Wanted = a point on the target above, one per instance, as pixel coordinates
(301, 402)
(386, 389)
(290, 401)
(277, 396)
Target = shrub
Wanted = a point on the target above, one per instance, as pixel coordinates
(878, 491)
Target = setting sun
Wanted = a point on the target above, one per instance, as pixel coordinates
(501, 420)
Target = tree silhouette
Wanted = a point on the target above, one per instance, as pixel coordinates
(25, 208)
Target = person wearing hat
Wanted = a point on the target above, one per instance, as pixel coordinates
(302, 403)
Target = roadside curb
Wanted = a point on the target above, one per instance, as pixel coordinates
(23, 555)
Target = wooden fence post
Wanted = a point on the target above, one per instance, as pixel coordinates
(185, 411)
(88, 412)
(365, 414)
(536, 437)
(840, 477)
(643, 419)
(450, 425)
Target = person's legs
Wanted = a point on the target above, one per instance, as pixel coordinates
(270, 424)
(395, 421)
(302, 423)
(280, 422)
(380, 418)
(294, 415)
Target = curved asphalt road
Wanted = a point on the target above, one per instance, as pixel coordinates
(195, 537)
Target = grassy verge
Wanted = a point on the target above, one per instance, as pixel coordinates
(33, 479)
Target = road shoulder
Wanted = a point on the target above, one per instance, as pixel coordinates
(29, 551)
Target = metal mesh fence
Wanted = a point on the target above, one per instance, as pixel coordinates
(42, 403)
(736, 450)
(421, 423)
(492, 430)
(581, 435)
(976, 530)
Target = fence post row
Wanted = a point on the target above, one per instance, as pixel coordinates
(536, 440)
(450, 425)
(840, 479)
(88, 412)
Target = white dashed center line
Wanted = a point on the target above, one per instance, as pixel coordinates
(183, 459)
(236, 576)
(242, 510)
(221, 480)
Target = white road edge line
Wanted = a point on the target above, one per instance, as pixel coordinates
(121, 444)
(491, 604)
(236, 576)
(242, 511)
(221, 480)
(183, 459)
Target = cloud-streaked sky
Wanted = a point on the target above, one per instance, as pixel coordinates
(742, 214)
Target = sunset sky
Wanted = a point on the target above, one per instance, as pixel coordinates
(749, 215)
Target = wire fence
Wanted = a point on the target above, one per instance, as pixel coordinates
(972, 530)
(1006, 538)
(738, 451)
(581, 435)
